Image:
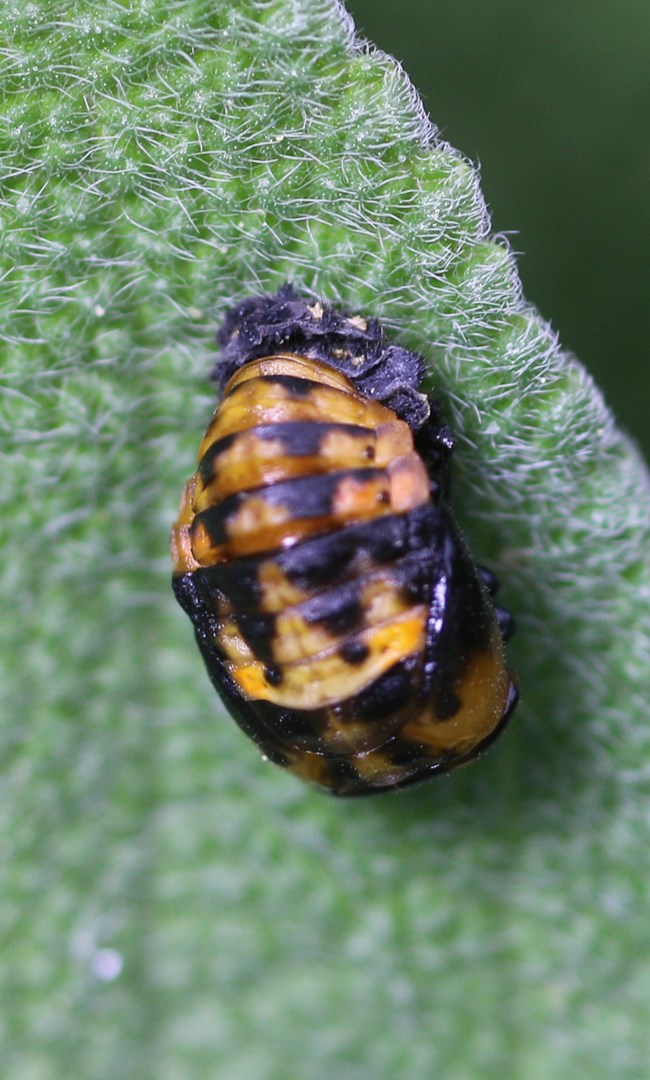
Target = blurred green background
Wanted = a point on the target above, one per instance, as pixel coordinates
(552, 101)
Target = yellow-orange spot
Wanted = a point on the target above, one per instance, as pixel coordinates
(230, 640)
(399, 638)
(359, 498)
(371, 763)
(183, 560)
(329, 678)
(202, 547)
(271, 538)
(248, 462)
(296, 639)
(291, 364)
(393, 439)
(310, 767)
(254, 516)
(483, 691)
(257, 402)
(342, 450)
(251, 462)
(409, 483)
(252, 528)
(376, 768)
(381, 601)
(278, 592)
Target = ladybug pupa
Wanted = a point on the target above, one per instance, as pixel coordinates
(340, 615)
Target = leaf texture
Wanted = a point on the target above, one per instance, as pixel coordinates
(172, 906)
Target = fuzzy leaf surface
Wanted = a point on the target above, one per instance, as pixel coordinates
(172, 907)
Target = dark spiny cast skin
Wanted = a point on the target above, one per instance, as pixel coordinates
(338, 611)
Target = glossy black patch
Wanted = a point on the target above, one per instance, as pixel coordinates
(258, 631)
(238, 581)
(343, 777)
(506, 623)
(304, 438)
(407, 752)
(273, 675)
(445, 699)
(337, 610)
(293, 384)
(388, 694)
(326, 560)
(413, 576)
(195, 599)
(354, 652)
(295, 727)
(313, 496)
(461, 624)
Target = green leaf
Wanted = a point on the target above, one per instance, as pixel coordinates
(172, 906)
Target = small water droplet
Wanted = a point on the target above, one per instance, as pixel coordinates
(106, 964)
